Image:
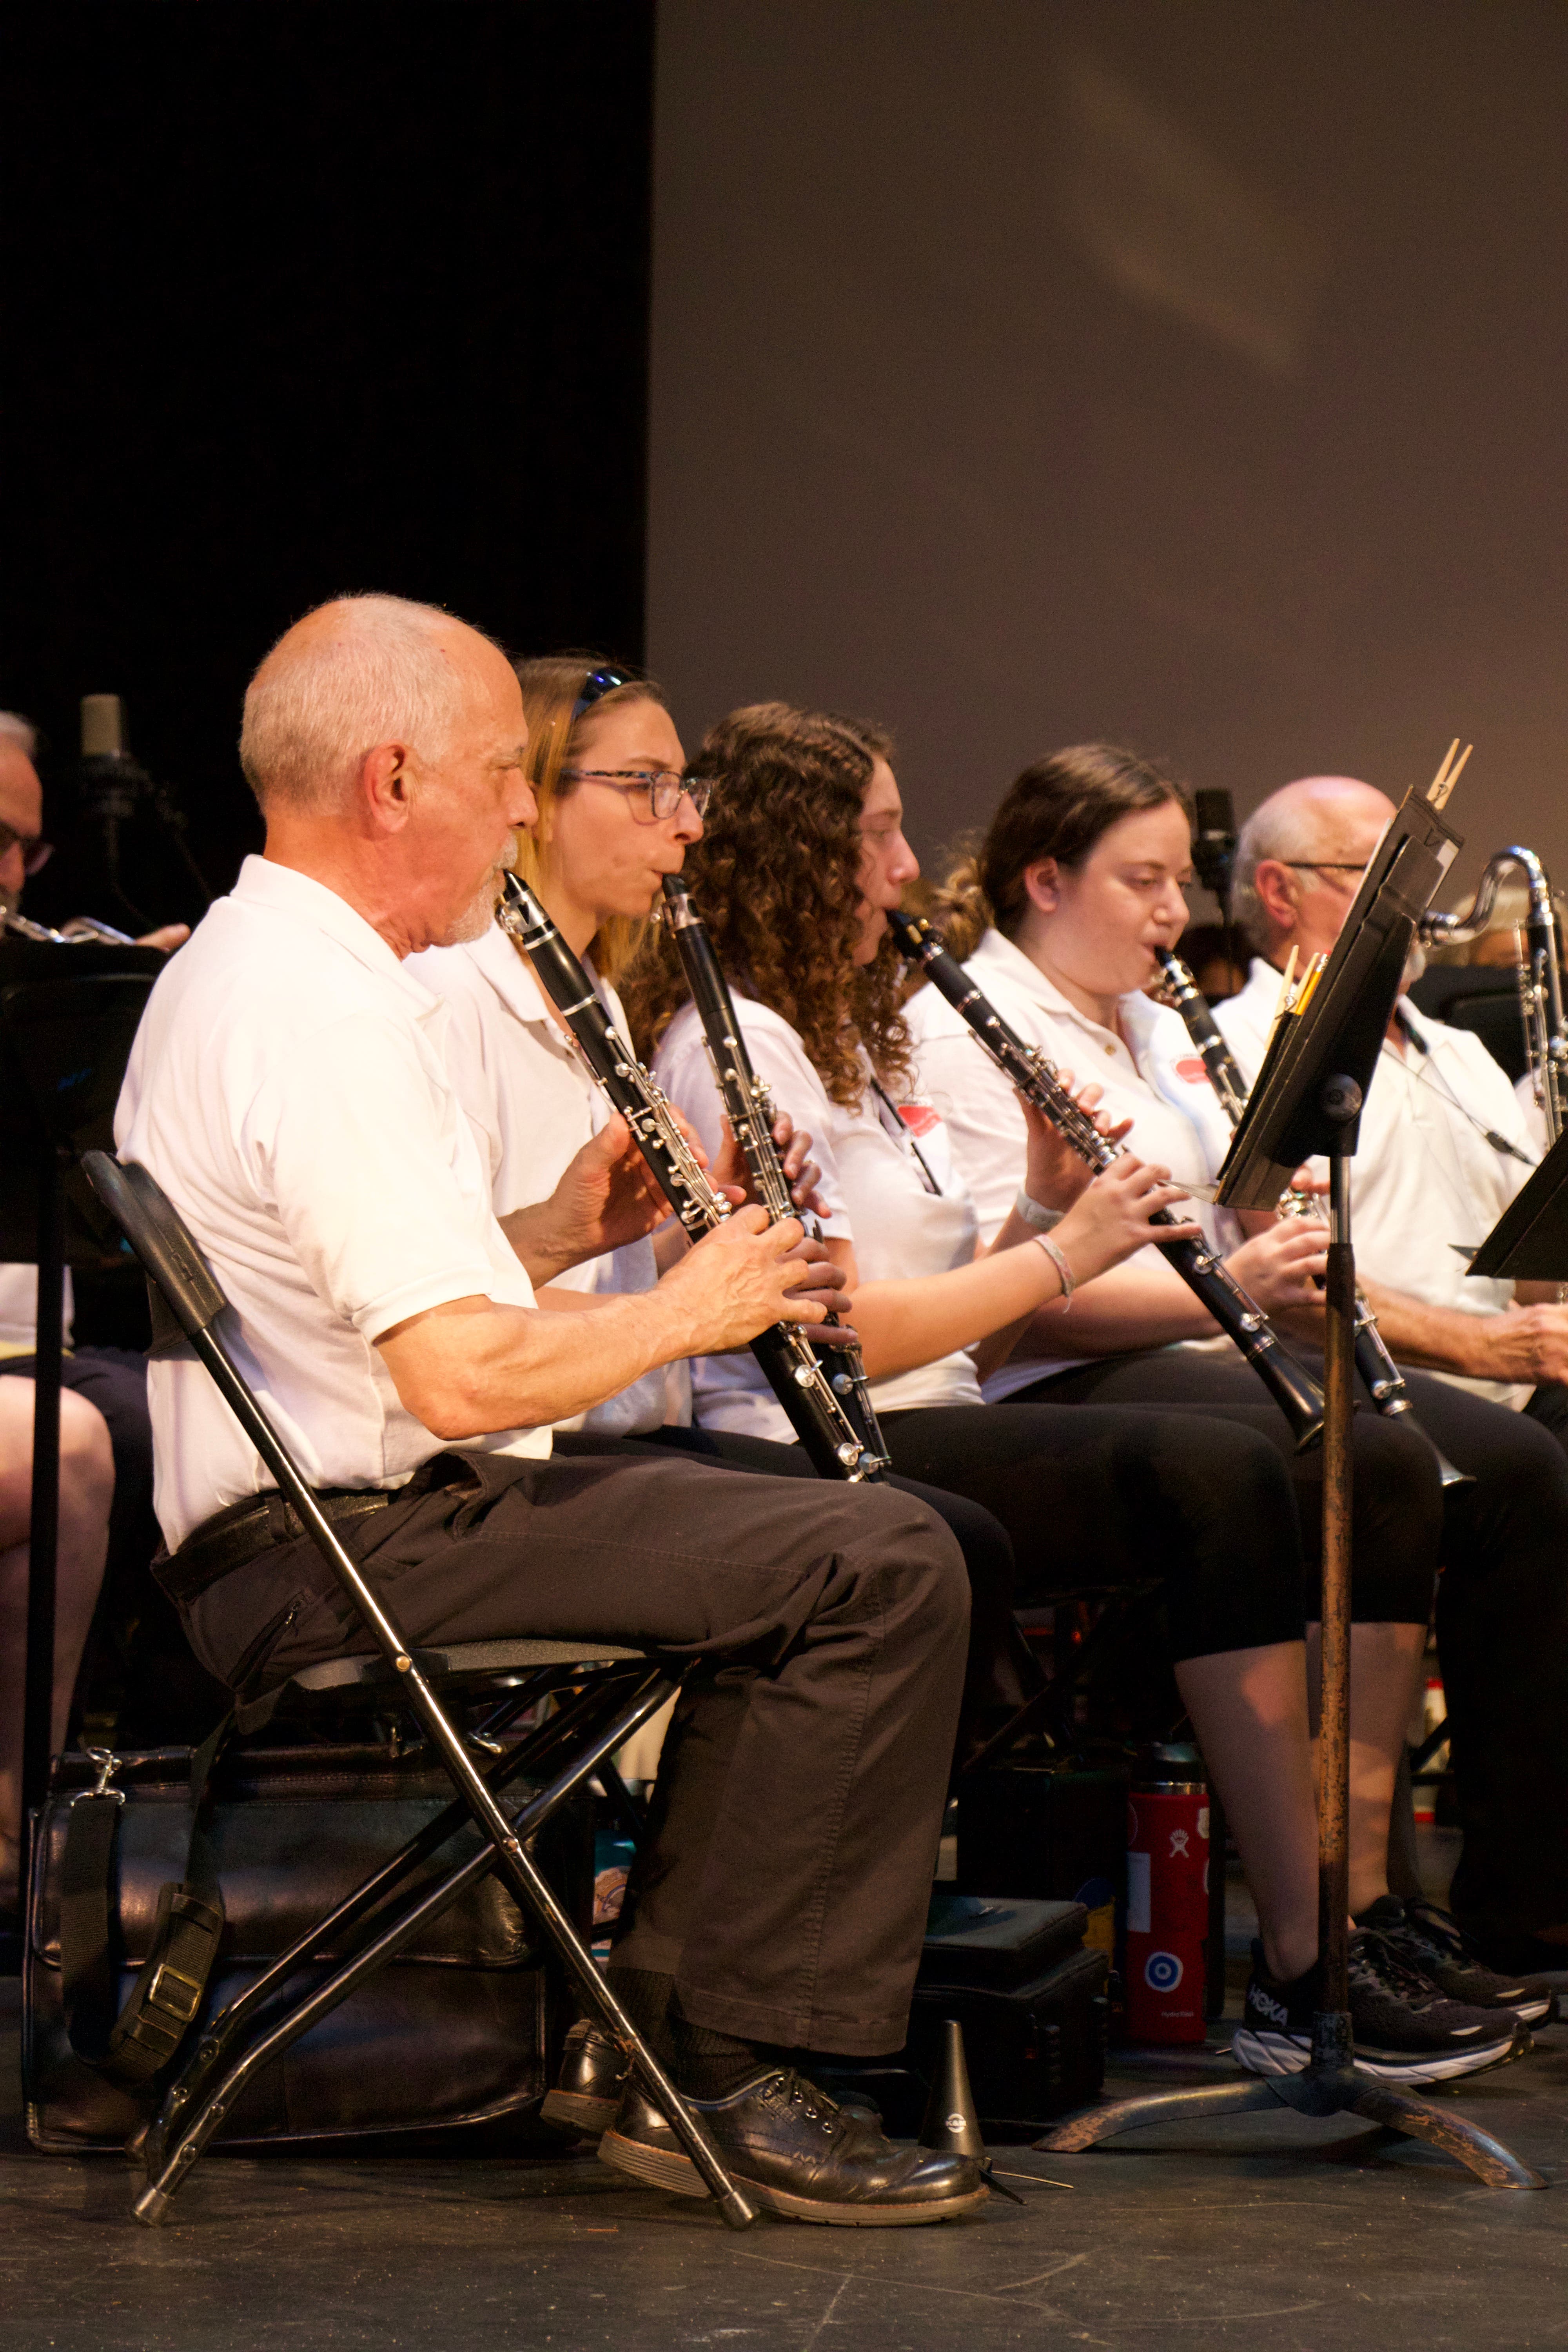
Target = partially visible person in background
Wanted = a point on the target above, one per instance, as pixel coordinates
(106, 1446)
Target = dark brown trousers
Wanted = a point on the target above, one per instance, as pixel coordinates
(800, 1794)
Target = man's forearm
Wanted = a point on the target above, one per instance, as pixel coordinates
(478, 1366)
(1443, 1338)
(535, 1233)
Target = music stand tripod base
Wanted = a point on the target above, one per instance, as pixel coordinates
(1331, 2084)
(1327, 2091)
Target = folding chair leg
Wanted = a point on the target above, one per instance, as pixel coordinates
(219, 2036)
(209, 2101)
(516, 1865)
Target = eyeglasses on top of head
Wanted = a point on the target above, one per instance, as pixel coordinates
(596, 685)
(665, 787)
(36, 853)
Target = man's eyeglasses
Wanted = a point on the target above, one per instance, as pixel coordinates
(661, 789)
(1321, 865)
(36, 853)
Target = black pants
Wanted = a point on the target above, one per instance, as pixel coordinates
(1548, 1405)
(1001, 1673)
(799, 1800)
(1502, 1624)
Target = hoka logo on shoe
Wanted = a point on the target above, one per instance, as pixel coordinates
(1266, 2003)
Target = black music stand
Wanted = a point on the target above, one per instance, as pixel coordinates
(67, 1016)
(1307, 1101)
(1528, 1241)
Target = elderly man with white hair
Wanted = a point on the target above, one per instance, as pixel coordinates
(289, 1089)
(1435, 1167)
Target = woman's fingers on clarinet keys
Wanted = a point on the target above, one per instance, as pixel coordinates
(820, 1277)
(1113, 1218)
(1055, 1174)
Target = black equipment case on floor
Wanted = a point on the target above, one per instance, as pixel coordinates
(1031, 1998)
(462, 2029)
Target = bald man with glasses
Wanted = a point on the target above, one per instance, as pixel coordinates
(1443, 1149)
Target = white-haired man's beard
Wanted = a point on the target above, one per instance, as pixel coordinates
(480, 911)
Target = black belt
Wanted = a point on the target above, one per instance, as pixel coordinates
(232, 1539)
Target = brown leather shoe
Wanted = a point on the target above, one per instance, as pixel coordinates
(592, 2075)
(798, 2152)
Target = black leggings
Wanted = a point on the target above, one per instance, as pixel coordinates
(1397, 1498)
(1102, 1497)
(1503, 1624)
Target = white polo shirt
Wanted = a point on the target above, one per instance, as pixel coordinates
(19, 1311)
(1152, 1076)
(1424, 1176)
(888, 1183)
(535, 1106)
(288, 1089)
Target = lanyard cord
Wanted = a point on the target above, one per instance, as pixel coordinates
(1429, 1075)
(902, 1129)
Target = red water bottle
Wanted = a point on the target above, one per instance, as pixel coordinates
(1167, 1895)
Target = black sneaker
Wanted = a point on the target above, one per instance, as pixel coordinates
(1433, 1942)
(1406, 2030)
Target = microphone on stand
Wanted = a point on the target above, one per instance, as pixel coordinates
(111, 784)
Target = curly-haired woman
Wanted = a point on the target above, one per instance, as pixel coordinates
(802, 857)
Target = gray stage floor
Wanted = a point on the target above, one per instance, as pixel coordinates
(1285, 2237)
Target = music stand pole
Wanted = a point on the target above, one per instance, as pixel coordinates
(1331, 2084)
(43, 1546)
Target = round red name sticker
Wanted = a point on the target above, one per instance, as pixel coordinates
(918, 1118)
(1193, 1070)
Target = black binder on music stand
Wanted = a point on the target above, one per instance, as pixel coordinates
(1528, 1241)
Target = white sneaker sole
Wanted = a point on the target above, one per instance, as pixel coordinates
(1258, 2053)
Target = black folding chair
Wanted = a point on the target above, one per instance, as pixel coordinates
(615, 1690)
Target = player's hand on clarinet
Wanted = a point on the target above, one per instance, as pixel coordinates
(737, 1280)
(1112, 1218)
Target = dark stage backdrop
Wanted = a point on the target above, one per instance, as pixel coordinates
(1192, 376)
(300, 299)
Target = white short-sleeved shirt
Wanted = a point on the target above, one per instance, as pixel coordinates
(289, 1089)
(1424, 1176)
(1152, 1076)
(535, 1106)
(19, 1311)
(889, 1185)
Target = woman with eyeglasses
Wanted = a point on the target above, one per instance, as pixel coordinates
(802, 857)
(616, 811)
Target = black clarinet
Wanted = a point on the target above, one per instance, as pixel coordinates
(1374, 1362)
(1036, 1078)
(783, 1350)
(749, 1107)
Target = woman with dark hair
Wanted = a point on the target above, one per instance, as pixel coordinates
(801, 856)
(1076, 883)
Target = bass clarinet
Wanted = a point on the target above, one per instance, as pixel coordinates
(749, 1107)
(1374, 1362)
(1036, 1078)
(784, 1352)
